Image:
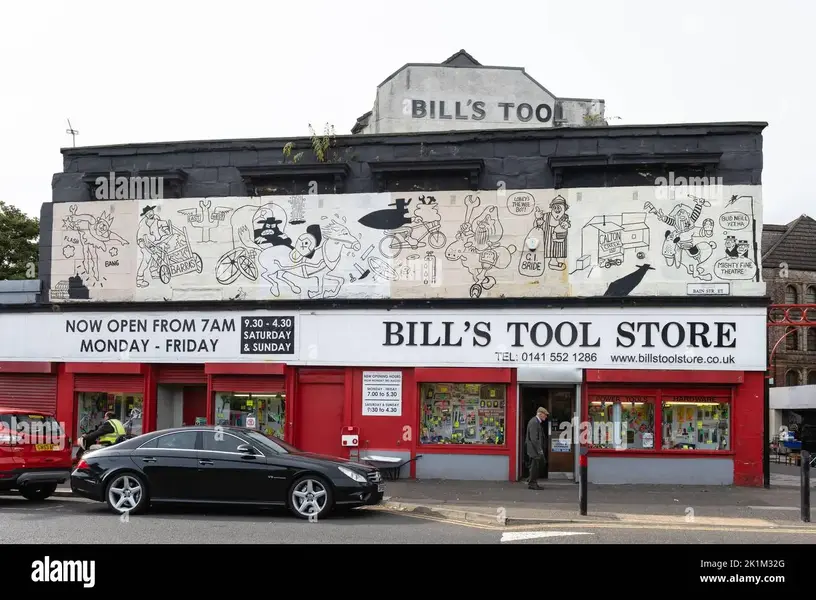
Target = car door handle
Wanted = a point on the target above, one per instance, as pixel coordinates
(205, 462)
(148, 460)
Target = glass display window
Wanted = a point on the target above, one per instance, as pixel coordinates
(92, 406)
(263, 412)
(463, 413)
(696, 423)
(620, 422)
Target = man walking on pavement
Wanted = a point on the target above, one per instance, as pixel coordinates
(534, 445)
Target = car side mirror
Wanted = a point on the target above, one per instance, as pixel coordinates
(246, 449)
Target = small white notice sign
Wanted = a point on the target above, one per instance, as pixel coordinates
(382, 393)
(251, 423)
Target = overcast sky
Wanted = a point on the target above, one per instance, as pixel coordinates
(177, 69)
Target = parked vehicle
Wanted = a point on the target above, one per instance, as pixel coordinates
(222, 465)
(35, 453)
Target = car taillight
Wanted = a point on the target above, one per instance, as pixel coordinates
(82, 465)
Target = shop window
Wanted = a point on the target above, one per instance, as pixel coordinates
(811, 340)
(620, 422)
(696, 423)
(463, 413)
(792, 341)
(792, 378)
(92, 406)
(811, 380)
(810, 295)
(263, 412)
(791, 295)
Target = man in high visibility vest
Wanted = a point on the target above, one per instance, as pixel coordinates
(107, 433)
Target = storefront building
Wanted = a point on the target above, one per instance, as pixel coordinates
(428, 289)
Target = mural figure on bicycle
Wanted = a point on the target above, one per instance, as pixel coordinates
(164, 250)
(422, 228)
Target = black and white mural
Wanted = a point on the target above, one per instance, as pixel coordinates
(631, 241)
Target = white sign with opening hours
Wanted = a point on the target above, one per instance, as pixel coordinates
(382, 393)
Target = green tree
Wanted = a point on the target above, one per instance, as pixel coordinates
(19, 243)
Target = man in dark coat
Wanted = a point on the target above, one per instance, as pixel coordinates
(534, 446)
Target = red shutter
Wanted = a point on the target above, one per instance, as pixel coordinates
(185, 374)
(111, 384)
(29, 391)
(248, 383)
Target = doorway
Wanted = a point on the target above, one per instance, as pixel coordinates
(560, 402)
(180, 405)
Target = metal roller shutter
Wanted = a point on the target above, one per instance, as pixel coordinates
(249, 383)
(109, 383)
(182, 374)
(29, 391)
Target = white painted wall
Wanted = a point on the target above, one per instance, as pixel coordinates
(793, 397)
(491, 243)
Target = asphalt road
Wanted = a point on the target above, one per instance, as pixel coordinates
(72, 520)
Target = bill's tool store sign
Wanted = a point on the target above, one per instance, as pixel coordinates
(730, 339)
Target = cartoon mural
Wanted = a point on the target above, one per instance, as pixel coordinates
(460, 244)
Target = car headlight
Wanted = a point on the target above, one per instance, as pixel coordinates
(355, 476)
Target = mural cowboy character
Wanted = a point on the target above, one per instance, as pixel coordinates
(555, 224)
(152, 230)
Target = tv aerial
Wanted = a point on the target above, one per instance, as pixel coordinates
(72, 132)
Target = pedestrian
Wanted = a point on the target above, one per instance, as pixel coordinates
(534, 445)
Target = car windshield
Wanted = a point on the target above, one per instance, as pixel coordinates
(272, 443)
(31, 424)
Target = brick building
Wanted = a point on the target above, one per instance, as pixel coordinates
(429, 288)
(789, 270)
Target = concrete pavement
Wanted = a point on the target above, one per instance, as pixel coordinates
(506, 503)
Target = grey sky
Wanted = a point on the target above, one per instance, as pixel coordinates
(185, 69)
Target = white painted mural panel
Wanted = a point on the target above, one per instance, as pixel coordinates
(633, 241)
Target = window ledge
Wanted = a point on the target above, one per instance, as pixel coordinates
(472, 167)
(662, 453)
(255, 176)
(174, 180)
(461, 449)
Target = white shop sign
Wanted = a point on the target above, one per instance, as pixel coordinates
(598, 338)
(382, 393)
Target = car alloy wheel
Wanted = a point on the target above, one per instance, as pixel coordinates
(125, 493)
(310, 498)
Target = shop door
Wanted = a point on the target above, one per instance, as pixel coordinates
(560, 402)
(320, 417)
(561, 451)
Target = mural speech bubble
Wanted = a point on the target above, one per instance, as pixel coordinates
(520, 203)
(735, 269)
(733, 221)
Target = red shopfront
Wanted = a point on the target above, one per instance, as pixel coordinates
(695, 427)
(680, 427)
(29, 386)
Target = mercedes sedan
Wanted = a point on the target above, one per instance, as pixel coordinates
(222, 465)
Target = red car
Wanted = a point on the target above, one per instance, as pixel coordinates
(35, 453)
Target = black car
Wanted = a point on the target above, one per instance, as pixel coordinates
(222, 465)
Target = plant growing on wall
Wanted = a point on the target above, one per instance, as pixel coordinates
(322, 146)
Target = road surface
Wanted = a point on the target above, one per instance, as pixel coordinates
(71, 520)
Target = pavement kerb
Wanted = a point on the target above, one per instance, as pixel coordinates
(497, 519)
